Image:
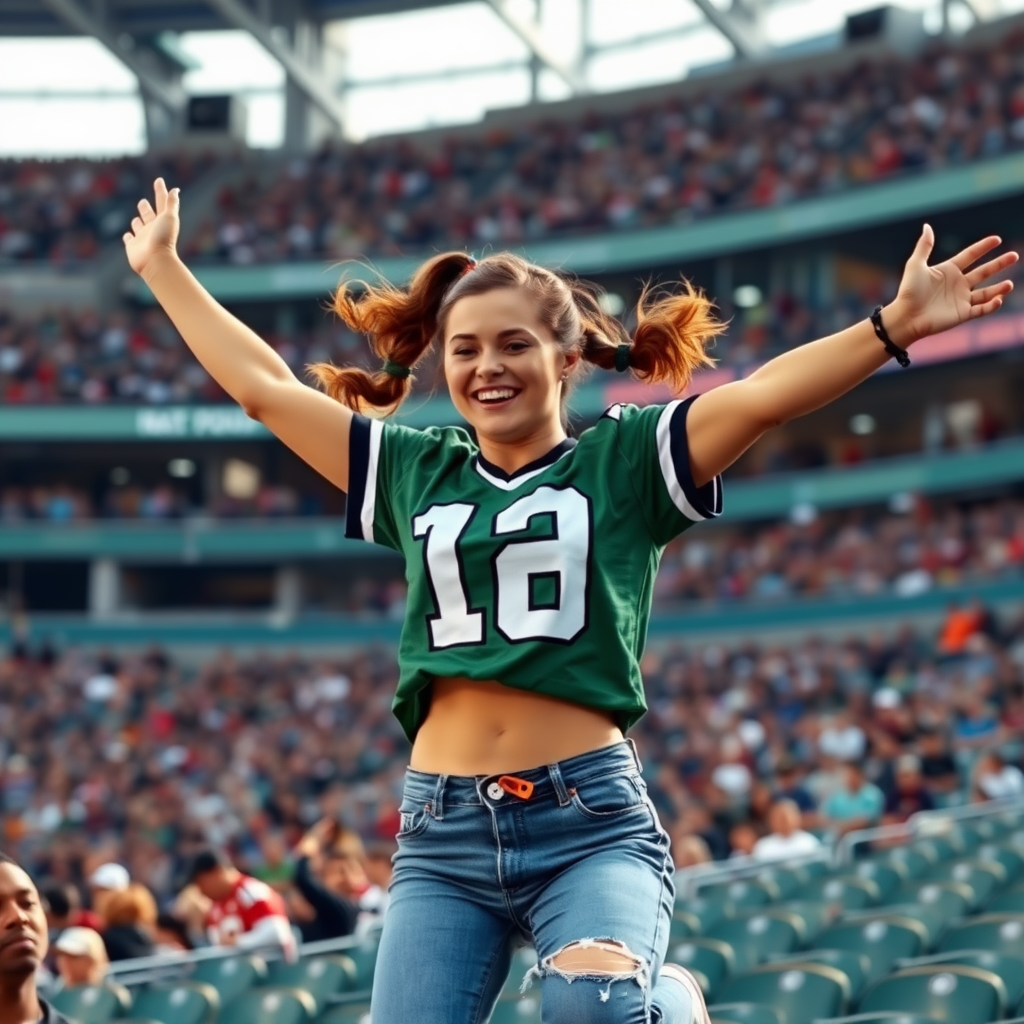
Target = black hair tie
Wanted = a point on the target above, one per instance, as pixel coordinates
(622, 353)
(395, 369)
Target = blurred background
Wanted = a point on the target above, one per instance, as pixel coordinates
(193, 654)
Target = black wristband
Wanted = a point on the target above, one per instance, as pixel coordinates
(899, 354)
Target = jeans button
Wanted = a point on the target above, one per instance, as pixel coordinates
(495, 792)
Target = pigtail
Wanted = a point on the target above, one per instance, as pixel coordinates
(400, 324)
(669, 343)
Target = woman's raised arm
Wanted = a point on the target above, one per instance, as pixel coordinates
(722, 424)
(314, 426)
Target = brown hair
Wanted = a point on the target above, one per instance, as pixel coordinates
(669, 342)
(134, 905)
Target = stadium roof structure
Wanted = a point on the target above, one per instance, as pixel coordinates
(142, 35)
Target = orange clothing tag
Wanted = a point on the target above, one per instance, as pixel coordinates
(517, 787)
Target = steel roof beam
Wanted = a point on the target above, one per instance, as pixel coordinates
(740, 24)
(529, 32)
(165, 92)
(312, 84)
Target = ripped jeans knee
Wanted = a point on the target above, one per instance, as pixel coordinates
(593, 981)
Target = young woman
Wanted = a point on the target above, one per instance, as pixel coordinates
(530, 559)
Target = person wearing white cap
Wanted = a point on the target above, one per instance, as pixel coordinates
(81, 957)
(107, 879)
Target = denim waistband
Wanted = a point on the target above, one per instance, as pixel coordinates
(552, 780)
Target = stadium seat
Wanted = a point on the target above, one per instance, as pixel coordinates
(940, 848)
(949, 899)
(1009, 969)
(925, 918)
(982, 877)
(756, 935)
(882, 940)
(231, 976)
(799, 993)
(743, 1013)
(520, 1010)
(185, 1003)
(846, 891)
(1001, 933)
(364, 958)
(354, 1013)
(320, 976)
(1009, 901)
(92, 1004)
(270, 1006)
(811, 916)
(952, 993)
(886, 876)
(1012, 862)
(882, 1017)
(910, 861)
(855, 966)
(785, 880)
(701, 912)
(522, 960)
(709, 960)
(743, 894)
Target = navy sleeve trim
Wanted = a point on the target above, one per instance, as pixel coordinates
(358, 475)
(696, 503)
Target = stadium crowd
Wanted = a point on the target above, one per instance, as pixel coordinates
(760, 145)
(137, 762)
(63, 211)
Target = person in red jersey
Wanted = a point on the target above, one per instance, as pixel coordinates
(245, 912)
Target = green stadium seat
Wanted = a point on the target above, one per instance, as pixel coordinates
(1001, 933)
(364, 958)
(1009, 901)
(184, 1003)
(855, 966)
(744, 1013)
(1011, 860)
(320, 976)
(785, 880)
(743, 894)
(520, 1010)
(709, 960)
(353, 1013)
(882, 940)
(912, 861)
(845, 891)
(812, 916)
(925, 918)
(231, 976)
(799, 993)
(982, 877)
(1009, 969)
(949, 899)
(270, 1006)
(951, 993)
(682, 926)
(882, 1017)
(92, 1004)
(523, 959)
(887, 876)
(756, 935)
(939, 848)
(701, 913)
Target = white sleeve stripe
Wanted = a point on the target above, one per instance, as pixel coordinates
(370, 493)
(672, 481)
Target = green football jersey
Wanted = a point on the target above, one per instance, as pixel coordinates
(541, 579)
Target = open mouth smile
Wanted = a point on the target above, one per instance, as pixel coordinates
(496, 397)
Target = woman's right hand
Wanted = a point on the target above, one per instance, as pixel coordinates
(154, 233)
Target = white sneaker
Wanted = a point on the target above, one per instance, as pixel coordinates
(689, 982)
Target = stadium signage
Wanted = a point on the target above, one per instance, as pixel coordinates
(202, 422)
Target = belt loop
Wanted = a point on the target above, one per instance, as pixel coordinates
(636, 755)
(438, 808)
(559, 783)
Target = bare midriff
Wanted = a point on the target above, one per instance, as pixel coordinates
(485, 728)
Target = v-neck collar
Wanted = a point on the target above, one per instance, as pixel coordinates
(506, 481)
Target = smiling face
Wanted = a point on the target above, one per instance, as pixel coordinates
(23, 935)
(505, 369)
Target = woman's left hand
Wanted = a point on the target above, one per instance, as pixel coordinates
(933, 299)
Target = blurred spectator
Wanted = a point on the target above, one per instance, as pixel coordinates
(81, 957)
(63, 907)
(994, 779)
(786, 838)
(129, 918)
(171, 934)
(104, 882)
(789, 786)
(938, 766)
(858, 804)
(910, 794)
(688, 851)
(322, 877)
(743, 838)
(244, 911)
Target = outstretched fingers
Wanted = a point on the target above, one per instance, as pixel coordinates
(986, 270)
(966, 257)
(160, 194)
(988, 300)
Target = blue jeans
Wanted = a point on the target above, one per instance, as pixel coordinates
(480, 871)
